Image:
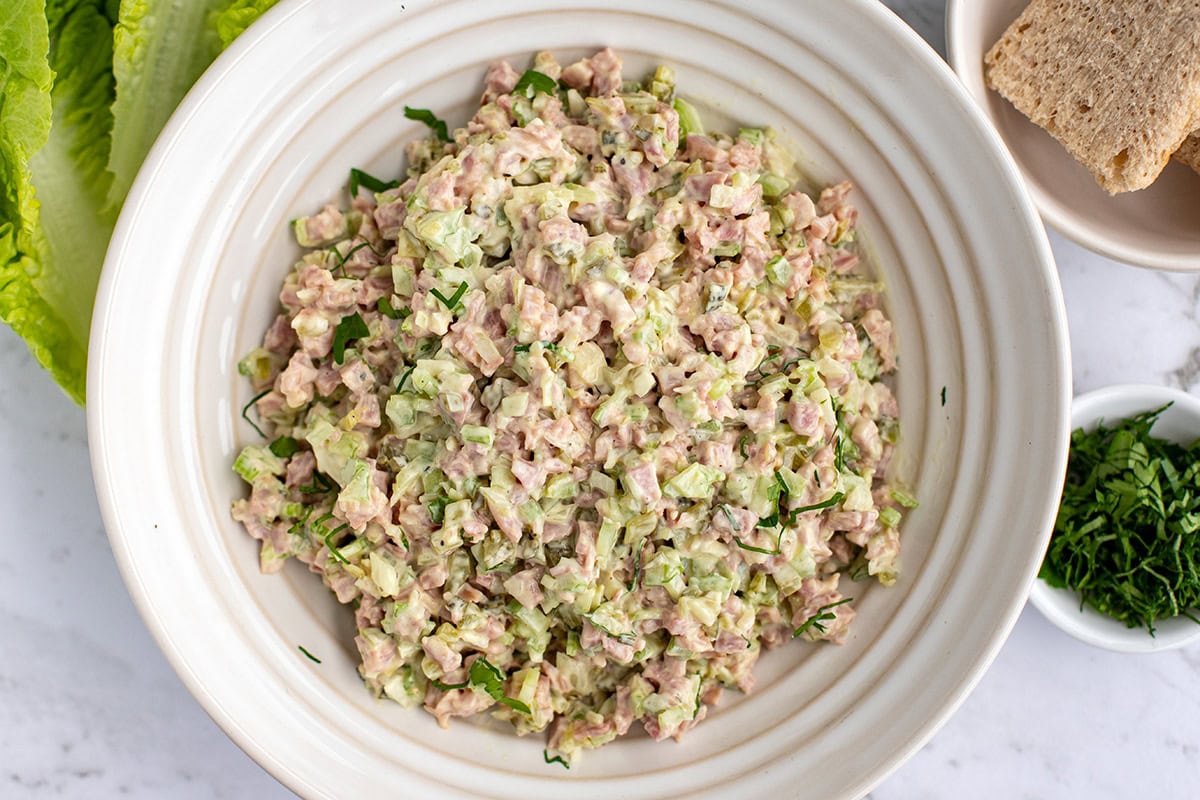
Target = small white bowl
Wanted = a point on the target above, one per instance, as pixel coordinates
(1158, 227)
(1179, 423)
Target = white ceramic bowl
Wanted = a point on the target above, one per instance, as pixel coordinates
(1179, 423)
(1157, 227)
(319, 86)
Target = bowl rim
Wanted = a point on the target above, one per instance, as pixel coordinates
(1095, 238)
(1092, 628)
(1022, 209)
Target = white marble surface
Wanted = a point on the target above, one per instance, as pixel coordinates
(90, 709)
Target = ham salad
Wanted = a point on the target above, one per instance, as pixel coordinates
(581, 414)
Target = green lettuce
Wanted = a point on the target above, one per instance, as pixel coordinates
(55, 138)
(237, 16)
(25, 81)
(85, 88)
(160, 48)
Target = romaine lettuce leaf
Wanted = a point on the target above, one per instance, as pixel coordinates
(85, 87)
(54, 133)
(238, 15)
(160, 48)
(70, 173)
(25, 81)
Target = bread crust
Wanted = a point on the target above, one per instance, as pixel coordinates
(1189, 152)
(1117, 82)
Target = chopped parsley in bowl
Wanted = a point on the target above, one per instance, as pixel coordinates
(1123, 566)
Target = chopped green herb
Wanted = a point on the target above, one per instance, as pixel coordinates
(843, 445)
(311, 657)
(762, 375)
(425, 115)
(1126, 536)
(534, 82)
(385, 308)
(437, 510)
(484, 676)
(745, 437)
(733, 523)
(350, 329)
(860, 567)
(333, 551)
(446, 687)
(778, 541)
(781, 484)
(786, 517)
(943, 397)
(451, 302)
(359, 178)
(826, 503)
(284, 447)
(839, 456)
(637, 569)
(768, 522)
(246, 408)
(342, 259)
(320, 485)
(817, 621)
(777, 493)
(783, 517)
(555, 759)
(524, 348)
(298, 526)
(771, 356)
(403, 378)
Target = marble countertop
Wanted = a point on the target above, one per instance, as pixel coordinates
(90, 708)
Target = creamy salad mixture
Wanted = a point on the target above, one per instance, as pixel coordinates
(581, 416)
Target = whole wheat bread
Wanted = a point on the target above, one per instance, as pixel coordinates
(1189, 152)
(1117, 82)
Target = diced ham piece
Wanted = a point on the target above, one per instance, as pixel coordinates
(280, 337)
(441, 654)
(802, 206)
(879, 331)
(377, 655)
(578, 75)
(642, 482)
(804, 416)
(457, 703)
(295, 383)
(500, 79)
(606, 72)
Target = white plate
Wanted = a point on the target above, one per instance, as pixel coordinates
(1156, 227)
(1179, 423)
(319, 86)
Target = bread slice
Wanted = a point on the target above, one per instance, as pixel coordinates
(1117, 82)
(1189, 152)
